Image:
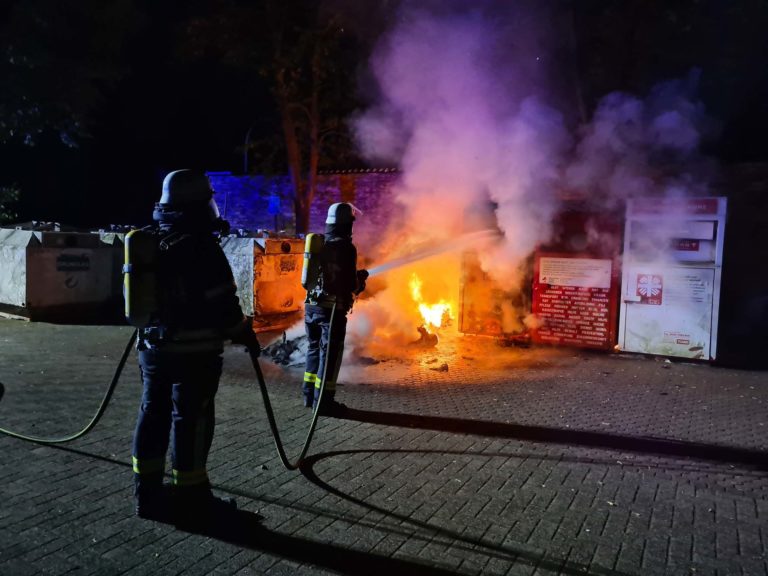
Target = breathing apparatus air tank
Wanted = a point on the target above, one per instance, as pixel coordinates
(312, 267)
(140, 285)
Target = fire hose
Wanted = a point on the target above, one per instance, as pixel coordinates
(254, 355)
(432, 251)
(99, 413)
(271, 416)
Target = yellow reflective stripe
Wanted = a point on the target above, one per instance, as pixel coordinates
(189, 477)
(328, 385)
(151, 466)
(310, 377)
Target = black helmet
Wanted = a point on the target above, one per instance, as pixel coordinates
(188, 198)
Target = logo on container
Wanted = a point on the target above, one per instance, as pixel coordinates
(650, 288)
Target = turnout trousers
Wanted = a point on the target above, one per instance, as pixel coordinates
(177, 406)
(325, 346)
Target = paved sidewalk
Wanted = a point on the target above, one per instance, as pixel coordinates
(503, 461)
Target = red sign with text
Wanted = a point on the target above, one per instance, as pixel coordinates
(575, 300)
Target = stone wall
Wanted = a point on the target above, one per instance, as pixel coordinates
(250, 202)
(370, 192)
(254, 202)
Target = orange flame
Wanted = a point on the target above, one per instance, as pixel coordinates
(433, 314)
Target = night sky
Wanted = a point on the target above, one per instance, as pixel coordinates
(150, 107)
(163, 112)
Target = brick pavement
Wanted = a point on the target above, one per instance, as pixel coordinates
(513, 461)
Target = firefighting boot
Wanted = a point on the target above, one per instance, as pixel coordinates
(308, 393)
(152, 499)
(329, 406)
(196, 509)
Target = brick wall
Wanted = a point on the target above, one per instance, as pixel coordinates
(247, 201)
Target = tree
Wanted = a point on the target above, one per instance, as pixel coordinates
(9, 195)
(308, 59)
(57, 60)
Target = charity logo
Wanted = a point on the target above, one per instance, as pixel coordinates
(650, 288)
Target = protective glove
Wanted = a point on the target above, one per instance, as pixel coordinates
(362, 276)
(245, 336)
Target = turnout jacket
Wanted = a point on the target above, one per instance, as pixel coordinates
(199, 306)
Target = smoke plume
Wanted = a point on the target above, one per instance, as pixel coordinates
(643, 147)
(465, 127)
(465, 110)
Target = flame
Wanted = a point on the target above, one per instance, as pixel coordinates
(434, 315)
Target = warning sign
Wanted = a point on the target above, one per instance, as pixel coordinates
(574, 301)
(584, 272)
(650, 288)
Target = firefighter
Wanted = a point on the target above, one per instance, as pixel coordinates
(180, 354)
(339, 282)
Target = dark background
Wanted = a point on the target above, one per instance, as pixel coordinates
(99, 99)
(147, 102)
(161, 111)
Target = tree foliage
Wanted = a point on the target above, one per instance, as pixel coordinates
(307, 58)
(56, 60)
(9, 195)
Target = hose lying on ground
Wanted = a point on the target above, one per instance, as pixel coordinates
(99, 413)
(262, 387)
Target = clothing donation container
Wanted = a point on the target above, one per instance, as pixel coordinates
(672, 265)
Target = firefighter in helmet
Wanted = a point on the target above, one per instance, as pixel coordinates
(180, 353)
(338, 283)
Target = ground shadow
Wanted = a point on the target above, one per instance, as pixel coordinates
(644, 444)
(460, 541)
(245, 530)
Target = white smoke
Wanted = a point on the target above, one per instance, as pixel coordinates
(463, 110)
(637, 148)
(457, 116)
